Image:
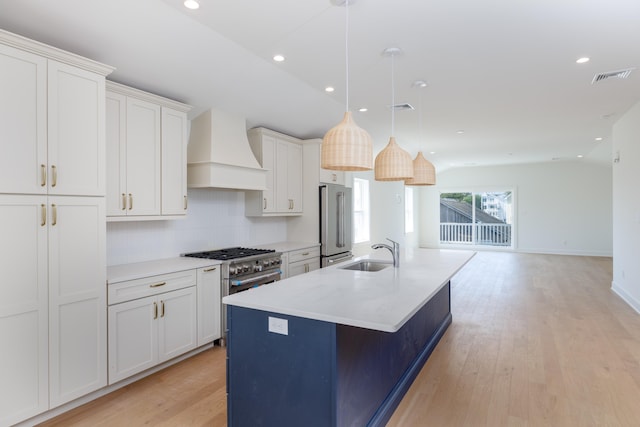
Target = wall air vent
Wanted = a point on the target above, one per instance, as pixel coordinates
(620, 74)
(401, 107)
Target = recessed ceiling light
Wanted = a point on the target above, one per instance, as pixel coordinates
(460, 132)
(363, 110)
(582, 60)
(599, 138)
(432, 152)
(278, 58)
(419, 83)
(329, 89)
(191, 4)
(580, 156)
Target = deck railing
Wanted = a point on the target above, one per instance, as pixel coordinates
(475, 234)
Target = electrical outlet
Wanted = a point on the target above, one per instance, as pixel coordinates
(278, 326)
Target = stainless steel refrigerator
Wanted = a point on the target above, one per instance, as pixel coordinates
(335, 224)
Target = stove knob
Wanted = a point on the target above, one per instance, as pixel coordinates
(245, 268)
(232, 270)
(257, 268)
(265, 263)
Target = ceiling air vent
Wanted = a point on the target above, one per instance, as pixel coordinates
(620, 74)
(401, 107)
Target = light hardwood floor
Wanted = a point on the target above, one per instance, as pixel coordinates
(536, 340)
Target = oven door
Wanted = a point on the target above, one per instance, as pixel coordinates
(253, 281)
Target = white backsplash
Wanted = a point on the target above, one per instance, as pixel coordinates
(215, 220)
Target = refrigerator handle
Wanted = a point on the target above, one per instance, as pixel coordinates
(340, 227)
(324, 216)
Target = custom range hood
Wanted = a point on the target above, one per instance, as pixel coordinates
(219, 155)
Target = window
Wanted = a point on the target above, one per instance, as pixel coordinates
(361, 210)
(477, 218)
(408, 210)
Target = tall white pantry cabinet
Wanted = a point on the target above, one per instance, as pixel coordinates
(52, 227)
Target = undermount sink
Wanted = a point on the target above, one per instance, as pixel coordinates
(367, 265)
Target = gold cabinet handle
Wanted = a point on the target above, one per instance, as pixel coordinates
(155, 310)
(207, 270)
(161, 308)
(54, 214)
(265, 203)
(186, 203)
(43, 213)
(156, 285)
(334, 177)
(130, 201)
(305, 253)
(124, 201)
(43, 175)
(54, 175)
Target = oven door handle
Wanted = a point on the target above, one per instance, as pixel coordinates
(275, 274)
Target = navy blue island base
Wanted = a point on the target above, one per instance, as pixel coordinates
(325, 374)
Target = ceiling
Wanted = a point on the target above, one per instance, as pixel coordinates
(503, 83)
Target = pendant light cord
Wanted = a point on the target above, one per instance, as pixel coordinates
(346, 52)
(393, 97)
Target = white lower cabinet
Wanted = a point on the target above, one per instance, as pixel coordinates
(209, 305)
(303, 261)
(151, 320)
(52, 302)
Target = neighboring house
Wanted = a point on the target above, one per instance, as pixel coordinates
(453, 212)
(461, 213)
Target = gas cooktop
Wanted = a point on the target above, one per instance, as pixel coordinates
(230, 253)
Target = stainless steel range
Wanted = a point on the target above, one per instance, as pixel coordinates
(243, 269)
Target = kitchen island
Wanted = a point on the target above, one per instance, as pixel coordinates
(336, 347)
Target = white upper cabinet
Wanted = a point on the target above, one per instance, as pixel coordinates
(281, 155)
(23, 121)
(174, 160)
(146, 155)
(52, 123)
(76, 153)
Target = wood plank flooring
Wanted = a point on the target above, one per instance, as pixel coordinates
(536, 340)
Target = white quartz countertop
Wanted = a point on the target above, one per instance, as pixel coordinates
(138, 270)
(383, 300)
(288, 246)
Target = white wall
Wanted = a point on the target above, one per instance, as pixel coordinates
(387, 213)
(215, 220)
(626, 207)
(561, 207)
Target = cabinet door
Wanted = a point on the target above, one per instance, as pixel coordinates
(177, 323)
(302, 267)
(23, 122)
(294, 177)
(209, 304)
(143, 157)
(174, 162)
(283, 203)
(132, 337)
(24, 387)
(77, 297)
(76, 132)
(116, 149)
(269, 163)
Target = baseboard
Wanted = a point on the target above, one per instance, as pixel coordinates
(622, 293)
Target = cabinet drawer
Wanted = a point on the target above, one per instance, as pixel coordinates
(147, 286)
(302, 254)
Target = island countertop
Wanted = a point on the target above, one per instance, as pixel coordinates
(382, 300)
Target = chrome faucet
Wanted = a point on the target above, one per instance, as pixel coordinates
(395, 251)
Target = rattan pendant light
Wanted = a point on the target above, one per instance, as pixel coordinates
(393, 163)
(424, 173)
(346, 147)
